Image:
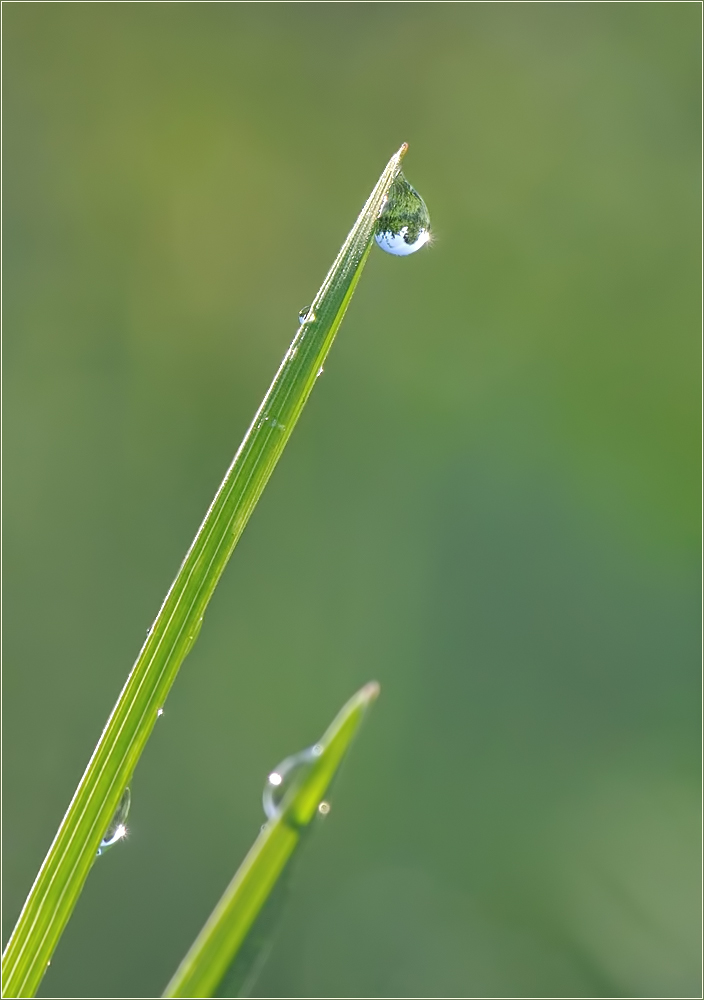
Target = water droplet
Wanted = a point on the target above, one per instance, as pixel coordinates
(159, 712)
(289, 773)
(303, 314)
(403, 225)
(324, 808)
(320, 372)
(193, 633)
(116, 829)
(274, 423)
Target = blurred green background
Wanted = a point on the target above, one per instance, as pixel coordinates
(490, 504)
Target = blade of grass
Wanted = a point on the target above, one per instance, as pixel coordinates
(213, 951)
(175, 629)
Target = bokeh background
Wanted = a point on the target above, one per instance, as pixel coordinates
(490, 504)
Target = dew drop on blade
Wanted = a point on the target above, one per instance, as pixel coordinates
(290, 772)
(403, 225)
(305, 315)
(116, 829)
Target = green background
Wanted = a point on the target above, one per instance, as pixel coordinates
(490, 504)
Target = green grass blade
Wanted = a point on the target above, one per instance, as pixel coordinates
(213, 951)
(71, 855)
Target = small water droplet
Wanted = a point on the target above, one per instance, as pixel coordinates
(274, 423)
(403, 225)
(193, 633)
(116, 828)
(289, 772)
(306, 315)
(159, 712)
(320, 372)
(324, 808)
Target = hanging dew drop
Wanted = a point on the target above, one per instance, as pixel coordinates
(403, 225)
(305, 315)
(116, 829)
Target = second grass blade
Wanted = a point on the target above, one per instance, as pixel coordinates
(202, 970)
(71, 855)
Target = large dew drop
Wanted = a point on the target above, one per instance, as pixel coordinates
(288, 773)
(116, 830)
(403, 225)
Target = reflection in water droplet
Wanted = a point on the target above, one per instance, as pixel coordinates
(116, 829)
(289, 773)
(324, 808)
(403, 225)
